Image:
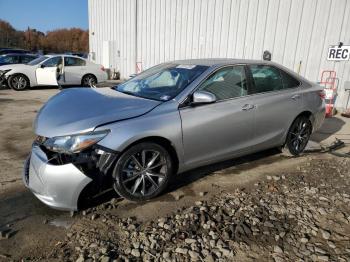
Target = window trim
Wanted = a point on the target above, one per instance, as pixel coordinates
(185, 102)
(272, 91)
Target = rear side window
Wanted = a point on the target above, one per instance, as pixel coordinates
(73, 61)
(226, 83)
(289, 81)
(266, 78)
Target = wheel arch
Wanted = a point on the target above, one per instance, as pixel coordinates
(19, 73)
(305, 113)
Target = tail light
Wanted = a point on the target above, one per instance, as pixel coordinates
(322, 94)
(103, 68)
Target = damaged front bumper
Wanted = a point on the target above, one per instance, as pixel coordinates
(57, 182)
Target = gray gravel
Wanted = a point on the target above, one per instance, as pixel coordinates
(302, 215)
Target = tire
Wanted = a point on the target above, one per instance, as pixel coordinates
(143, 172)
(89, 80)
(298, 136)
(18, 82)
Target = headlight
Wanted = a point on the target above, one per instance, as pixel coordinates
(74, 143)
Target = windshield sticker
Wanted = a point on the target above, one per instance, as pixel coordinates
(186, 66)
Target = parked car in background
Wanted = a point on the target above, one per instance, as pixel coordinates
(168, 119)
(14, 58)
(4, 51)
(42, 71)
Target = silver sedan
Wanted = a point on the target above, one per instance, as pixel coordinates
(173, 117)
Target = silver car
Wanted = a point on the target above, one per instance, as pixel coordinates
(176, 116)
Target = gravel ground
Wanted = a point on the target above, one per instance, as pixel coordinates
(300, 215)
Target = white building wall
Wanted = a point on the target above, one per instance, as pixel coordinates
(292, 30)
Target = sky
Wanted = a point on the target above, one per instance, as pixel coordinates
(45, 15)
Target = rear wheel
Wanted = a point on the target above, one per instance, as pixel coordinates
(298, 136)
(143, 172)
(18, 82)
(89, 80)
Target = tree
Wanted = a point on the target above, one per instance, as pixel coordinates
(56, 41)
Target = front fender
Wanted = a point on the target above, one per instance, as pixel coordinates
(164, 121)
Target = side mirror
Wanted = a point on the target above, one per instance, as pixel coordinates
(203, 97)
(42, 66)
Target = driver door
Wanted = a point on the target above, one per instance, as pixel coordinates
(46, 73)
(221, 130)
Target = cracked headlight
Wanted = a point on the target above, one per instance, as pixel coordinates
(74, 143)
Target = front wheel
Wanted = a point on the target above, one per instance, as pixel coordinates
(298, 136)
(18, 82)
(143, 172)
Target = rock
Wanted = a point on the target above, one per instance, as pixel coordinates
(304, 240)
(190, 241)
(331, 244)
(135, 252)
(199, 203)
(202, 194)
(269, 177)
(323, 258)
(94, 216)
(325, 234)
(104, 259)
(194, 255)
(166, 255)
(180, 250)
(80, 259)
(277, 249)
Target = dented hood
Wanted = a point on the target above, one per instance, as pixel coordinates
(79, 110)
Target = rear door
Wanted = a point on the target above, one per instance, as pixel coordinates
(217, 131)
(277, 98)
(74, 70)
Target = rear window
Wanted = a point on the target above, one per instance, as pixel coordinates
(289, 81)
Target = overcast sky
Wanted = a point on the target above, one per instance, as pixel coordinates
(45, 15)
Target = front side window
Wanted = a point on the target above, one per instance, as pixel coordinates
(73, 61)
(162, 82)
(52, 62)
(226, 83)
(266, 78)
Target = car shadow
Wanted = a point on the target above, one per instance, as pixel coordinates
(231, 166)
(330, 127)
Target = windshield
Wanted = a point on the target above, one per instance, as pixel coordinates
(38, 60)
(162, 82)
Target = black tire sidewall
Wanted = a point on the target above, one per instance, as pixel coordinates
(87, 77)
(118, 185)
(288, 140)
(17, 75)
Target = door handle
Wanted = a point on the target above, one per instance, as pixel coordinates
(295, 97)
(247, 107)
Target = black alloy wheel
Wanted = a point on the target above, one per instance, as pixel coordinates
(298, 135)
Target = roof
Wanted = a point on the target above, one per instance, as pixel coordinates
(217, 61)
(21, 54)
